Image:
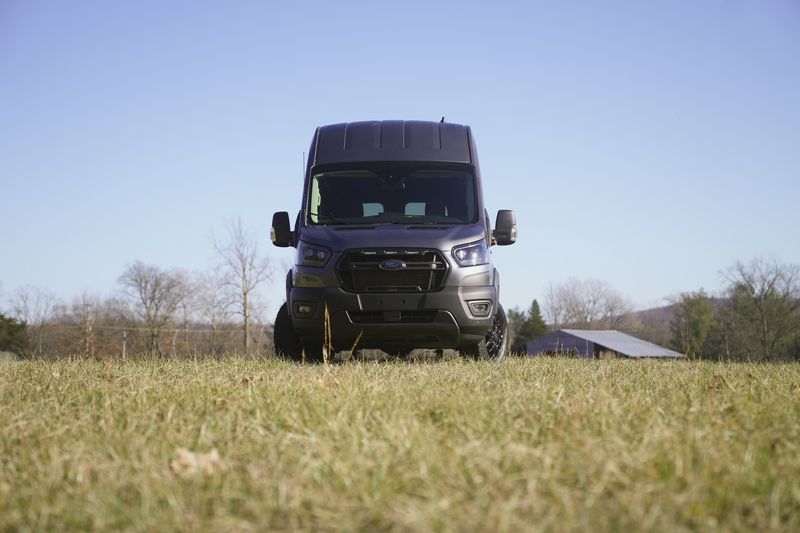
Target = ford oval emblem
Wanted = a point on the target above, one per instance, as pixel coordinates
(392, 264)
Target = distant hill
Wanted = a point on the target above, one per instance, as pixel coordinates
(667, 312)
(664, 313)
(654, 324)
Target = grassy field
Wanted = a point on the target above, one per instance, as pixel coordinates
(529, 444)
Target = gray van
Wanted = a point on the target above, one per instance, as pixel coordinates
(393, 245)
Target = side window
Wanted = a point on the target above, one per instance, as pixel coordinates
(315, 201)
(415, 208)
(372, 209)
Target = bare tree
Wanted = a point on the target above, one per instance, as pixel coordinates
(765, 302)
(86, 308)
(587, 303)
(186, 306)
(118, 313)
(554, 310)
(36, 307)
(243, 271)
(91, 325)
(156, 295)
(213, 303)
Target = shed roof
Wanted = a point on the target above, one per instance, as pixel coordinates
(623, 343)
(585, 343)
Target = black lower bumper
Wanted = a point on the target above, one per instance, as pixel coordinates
(392, 321)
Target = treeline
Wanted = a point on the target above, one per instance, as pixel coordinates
(756, 316)
(582, 304)
(156, 311)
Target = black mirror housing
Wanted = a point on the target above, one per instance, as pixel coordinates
(505, 228)
(281, 233)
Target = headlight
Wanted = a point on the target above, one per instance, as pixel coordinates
(473, 254)
(312, 255)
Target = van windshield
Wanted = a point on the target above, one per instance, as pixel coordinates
(416, 194)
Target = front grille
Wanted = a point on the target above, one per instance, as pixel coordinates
(423, 271)
(392, 317)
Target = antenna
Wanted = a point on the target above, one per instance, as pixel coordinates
(303, 164)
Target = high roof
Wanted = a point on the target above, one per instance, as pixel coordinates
(567, 340)
(392, 140)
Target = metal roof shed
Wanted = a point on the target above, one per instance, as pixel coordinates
(596, 343)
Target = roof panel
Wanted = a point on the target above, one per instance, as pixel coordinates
(392, 140)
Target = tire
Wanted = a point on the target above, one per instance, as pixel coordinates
(287, 343)
(313, 353)
(494, 346)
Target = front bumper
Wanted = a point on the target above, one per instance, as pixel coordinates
(397, 321)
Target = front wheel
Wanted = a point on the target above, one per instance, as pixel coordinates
(494, 346)
(287, 343)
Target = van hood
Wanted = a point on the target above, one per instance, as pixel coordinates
(440, 236)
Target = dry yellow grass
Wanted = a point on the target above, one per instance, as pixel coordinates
(529, 444)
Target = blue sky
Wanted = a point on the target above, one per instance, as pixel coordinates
(646, 144)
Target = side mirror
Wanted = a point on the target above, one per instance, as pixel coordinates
(505, 228)
(281, 232)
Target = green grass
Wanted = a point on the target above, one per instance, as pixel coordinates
(530, 444)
